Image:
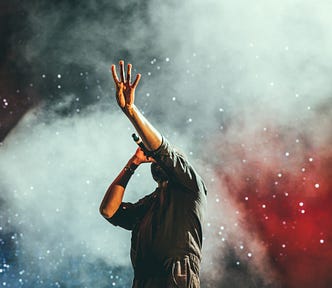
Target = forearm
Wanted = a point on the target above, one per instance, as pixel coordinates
(150, 136)
(114, 194)
(125, 96)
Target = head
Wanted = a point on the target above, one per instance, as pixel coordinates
(158, 173)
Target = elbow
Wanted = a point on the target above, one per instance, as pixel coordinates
(101, 211)
(106, 213)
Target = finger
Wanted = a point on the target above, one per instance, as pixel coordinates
(138, 77)
(129, 73)
(121, 63)
(115, 76)
(178, 268)
(151, 160)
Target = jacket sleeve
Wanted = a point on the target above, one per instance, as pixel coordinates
(128, 214)
(178, 167)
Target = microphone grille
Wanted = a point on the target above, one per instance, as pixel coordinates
(135, 137)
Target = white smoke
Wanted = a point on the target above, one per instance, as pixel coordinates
(213, 69)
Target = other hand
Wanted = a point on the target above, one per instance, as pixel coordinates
(139, 157)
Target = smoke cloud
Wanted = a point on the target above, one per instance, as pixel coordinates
(243, 89)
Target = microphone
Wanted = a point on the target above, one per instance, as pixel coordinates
(140, 143)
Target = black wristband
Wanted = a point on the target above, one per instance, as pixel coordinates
(131, 169)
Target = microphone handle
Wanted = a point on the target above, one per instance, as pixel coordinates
(140, 143)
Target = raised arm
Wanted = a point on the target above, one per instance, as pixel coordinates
(125, 96)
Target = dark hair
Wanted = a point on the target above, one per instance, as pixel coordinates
(158, 173)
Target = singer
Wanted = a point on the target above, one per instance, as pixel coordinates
(166, 225)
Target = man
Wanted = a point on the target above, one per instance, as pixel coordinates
(167, 224)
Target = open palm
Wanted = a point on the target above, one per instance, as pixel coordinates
(125, 90)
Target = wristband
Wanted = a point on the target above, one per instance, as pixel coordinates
(131, 169)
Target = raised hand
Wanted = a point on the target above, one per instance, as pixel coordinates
(125, 90)
(125, 96)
